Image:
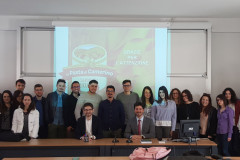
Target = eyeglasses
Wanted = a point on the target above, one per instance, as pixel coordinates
(87, 110)
(76, 87)
(110, 91)
(184, 96)
(126, 85)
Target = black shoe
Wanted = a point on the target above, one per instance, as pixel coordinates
(28, 138)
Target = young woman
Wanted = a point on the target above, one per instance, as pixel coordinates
(147, 100)
(6, 111)
(234, 104)
(208, 117)
(176, 96)
(17, 98)
(189, 109)
(224, 125)
(164, 114)
(26, 118)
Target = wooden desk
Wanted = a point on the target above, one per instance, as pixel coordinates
(232, 158)
(71, 158)
(101, 147)
(91, 158)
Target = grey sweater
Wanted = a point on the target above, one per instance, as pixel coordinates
(128, 102)
(164, 115)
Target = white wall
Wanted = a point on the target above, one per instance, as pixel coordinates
(8, 43)
(225, 54)
(225, 62)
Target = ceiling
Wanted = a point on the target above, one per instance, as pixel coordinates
(124, 8)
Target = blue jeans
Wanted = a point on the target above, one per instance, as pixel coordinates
(222, 141)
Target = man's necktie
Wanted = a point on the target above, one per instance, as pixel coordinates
(139, 127)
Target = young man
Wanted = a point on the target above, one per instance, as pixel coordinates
(88, 125)
(128, 99)
(111, 113)
(20, 84)
(91, 96)
(140, 126)
(40, 102)
(54, 111)
(69, 108)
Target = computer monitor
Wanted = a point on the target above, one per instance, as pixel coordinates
(189, 128)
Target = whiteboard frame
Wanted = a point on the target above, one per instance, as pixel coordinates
(170, 25)
(208, 27)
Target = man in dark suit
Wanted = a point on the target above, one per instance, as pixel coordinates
(140, 126)
(88, 125)
(40, 102)
(68, 109)
(54, 111)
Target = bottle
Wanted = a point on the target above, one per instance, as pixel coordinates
(86, 138)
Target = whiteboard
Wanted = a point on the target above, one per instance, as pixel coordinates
(37, 52)
(187, 52)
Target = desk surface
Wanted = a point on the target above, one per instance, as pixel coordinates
(70, 158)
(99, 142)
(88, 158)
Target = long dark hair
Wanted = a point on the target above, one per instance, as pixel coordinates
(179, 95)
(206, 109)
(166, 94)
(143, 98)
(233, 94)
(15, 95)
(32, 104)
(189, 95)
(222, 97)
(3, 107)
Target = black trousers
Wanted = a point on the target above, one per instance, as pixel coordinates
(234, 145)
(9, 136)
(43, 131)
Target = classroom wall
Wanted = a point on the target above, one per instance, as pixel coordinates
(225, 54)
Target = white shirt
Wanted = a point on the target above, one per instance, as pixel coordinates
(89, 127)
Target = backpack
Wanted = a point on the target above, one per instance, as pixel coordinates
(151, 153)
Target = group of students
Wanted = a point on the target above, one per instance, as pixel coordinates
(76, 115)
(218, 124)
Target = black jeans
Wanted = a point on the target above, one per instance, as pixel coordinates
(234, 145)
(222, 144)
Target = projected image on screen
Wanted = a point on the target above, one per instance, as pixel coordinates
(111, 55)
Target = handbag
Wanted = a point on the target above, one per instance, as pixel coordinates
(151, 153)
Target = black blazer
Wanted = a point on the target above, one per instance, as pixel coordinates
(96, 127)
(212, 122)
(43, 107)
(68, 111)
(51, 104)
